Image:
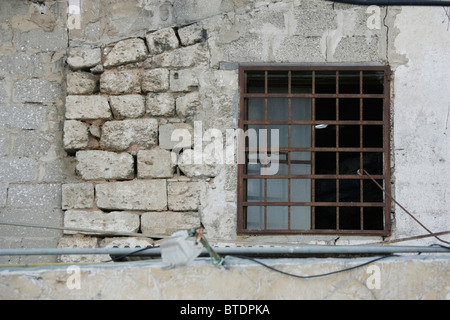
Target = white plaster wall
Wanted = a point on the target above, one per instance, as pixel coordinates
(421, 129)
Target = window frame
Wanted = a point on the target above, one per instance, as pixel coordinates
(386, 148)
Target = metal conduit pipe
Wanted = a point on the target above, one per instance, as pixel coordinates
(258, 251)
(431, 3)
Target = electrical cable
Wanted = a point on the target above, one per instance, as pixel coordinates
(114, 259)
(317, 275)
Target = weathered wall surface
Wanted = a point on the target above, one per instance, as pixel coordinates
(89, 103)
(421, 118)
(33, 163)
(411, 278)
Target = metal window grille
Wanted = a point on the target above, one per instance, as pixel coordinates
(333, 122)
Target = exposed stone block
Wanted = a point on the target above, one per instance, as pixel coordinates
(87, 108)
(167, 223)
(191, 34)
(82, 83)
(185, 57)
(121, 135)
(97, 164)
(126, 51)
(84, 57)
(77, 196)
(76, 135)
(148, 195)
(202, 165)
(121, 82)
(118, 221)
(155, 163)
(161, 104)
(162, 40)
(188, 105)
(178, 135)
(126, 242)
(128, 106)
(80, 241)
(183, 80)
(155, 80)
(185, 196)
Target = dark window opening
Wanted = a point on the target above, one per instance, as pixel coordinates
(332, 124)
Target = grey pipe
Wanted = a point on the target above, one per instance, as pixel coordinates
(431, 3)
(254, 251)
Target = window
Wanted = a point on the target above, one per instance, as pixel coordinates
(310, 131)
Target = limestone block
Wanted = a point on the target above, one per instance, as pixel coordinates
(82, 83)
(97, 164)
(121, 135)
(202, 165)
(179, 135)
(126, 242)
(189, 105)
(118, 221)
(120, 82)
(87, 108)
(84, 57)
(184, 57)
(128, 106)
(167, 223)
(77, 196)
(185, 195)
(162, 40)
(160, 104)
(76, 135)
(191, 34)
(155, 80)
(183, 80)
(150, 195)
(155, 163)
(126, 51)
(80, 241)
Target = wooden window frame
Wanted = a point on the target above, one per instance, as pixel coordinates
(313, 95)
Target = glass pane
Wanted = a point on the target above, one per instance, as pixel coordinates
(373, 162)
(373, 218)
(325, 163)
(255, 218)
(300, 218)
(255, 190)
(300, 136)
(326, 109)
(277, 217)
(373, 109)
(278, 81)
(349, 162)
(301, 81)
(373, 82)
(277, 190)
(325, 218)
(349, 109)
(255, 81)
(256, 109)
(350, 218)
(278, 136)
(325, 136)
(349, 81)
(301, 109)
(300, 190)
(255, 136)
(300, 162)
(325, 81)
(278, 109)
(349, 190)
(373, 136)
(325, 190)
(349, 136)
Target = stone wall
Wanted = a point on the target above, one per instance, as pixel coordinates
(33, 163)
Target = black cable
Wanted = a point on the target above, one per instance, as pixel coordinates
(317, 275)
